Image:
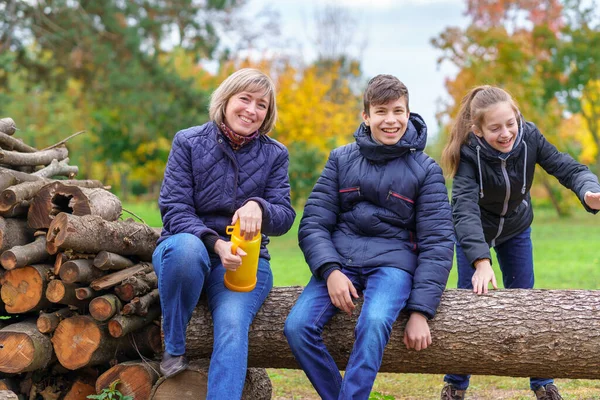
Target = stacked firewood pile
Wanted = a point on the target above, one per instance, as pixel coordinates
(78, 291)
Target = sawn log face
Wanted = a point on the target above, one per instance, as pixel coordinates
(523, 333)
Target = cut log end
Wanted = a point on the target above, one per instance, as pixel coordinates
(115, 329)
(75, 340)
(11, 360)
(8, 259)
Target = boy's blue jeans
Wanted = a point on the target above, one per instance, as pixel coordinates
(183, 267)
(515, 258)
(385, 291)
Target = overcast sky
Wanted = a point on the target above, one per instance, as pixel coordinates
(397, 34)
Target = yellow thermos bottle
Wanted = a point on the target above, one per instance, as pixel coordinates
(244, 278)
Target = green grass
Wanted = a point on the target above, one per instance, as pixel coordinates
(565, 256)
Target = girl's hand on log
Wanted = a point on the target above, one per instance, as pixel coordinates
(230, 261)
(484, 274)
(592, 200)
(340, 289)
(250, 216)
(416, 334)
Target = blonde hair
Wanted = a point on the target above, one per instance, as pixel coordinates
(246, 79)
(471, 114)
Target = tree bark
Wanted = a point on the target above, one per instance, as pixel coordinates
(105, 307)
(192, 384)
(65, 256)
(521, 333)
(141, 305)
(7, 142)
(136, 378)
(14, 232)
(62, 292)
(114, 279)
(110, 261)
(8, 126)
(47, 322)
(57, 197)
(10, 177)
(24, 348)
(92, 234)
(24, 289)
(121, 325)
(58, 168)
(20, 256)
(136, 286)
(43, 157)
(28, 190)
(81, 271)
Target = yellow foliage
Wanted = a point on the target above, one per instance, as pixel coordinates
(316, 108)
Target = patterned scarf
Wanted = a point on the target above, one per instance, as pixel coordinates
(235, 140)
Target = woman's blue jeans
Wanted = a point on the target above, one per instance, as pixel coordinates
(385, 291)
(184, 268)
(515, 258)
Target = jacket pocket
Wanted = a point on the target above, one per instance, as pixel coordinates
(349, 197)
(402, 205)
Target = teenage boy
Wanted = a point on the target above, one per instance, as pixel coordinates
(377, 224)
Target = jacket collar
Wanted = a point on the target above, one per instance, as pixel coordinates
(413, 139)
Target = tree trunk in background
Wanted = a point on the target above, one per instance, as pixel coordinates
(506, 332)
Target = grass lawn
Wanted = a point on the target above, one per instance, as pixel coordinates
(565, 254)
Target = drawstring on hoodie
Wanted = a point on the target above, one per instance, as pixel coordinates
(524, 170)
(480, 174)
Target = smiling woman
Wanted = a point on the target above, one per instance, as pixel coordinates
(225, 171)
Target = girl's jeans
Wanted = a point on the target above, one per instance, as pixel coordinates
(385, 291)
(183, 267)
(515, 257)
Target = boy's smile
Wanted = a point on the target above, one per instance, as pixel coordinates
(388, 122)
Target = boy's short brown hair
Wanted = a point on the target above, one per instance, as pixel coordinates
(382, 89)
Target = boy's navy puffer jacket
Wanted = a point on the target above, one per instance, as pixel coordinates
(206, 182)
(383, 206)
(490, 192)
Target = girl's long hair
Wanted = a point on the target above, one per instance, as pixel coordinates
(471, 114)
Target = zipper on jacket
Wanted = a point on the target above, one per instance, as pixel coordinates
(351, 189)
(505, 205)
(399, 196)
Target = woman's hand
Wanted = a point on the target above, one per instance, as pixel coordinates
(416, 334)
(250, 216)
(340, 289)
(592, 200)
(483, 275)
(230, 261)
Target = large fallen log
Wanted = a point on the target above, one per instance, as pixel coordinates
(506, 332)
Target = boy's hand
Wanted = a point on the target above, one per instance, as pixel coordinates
(230, 261)
(416, 334)
(250, 216)
(592, 200)
(340, 288)
(483, 275)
